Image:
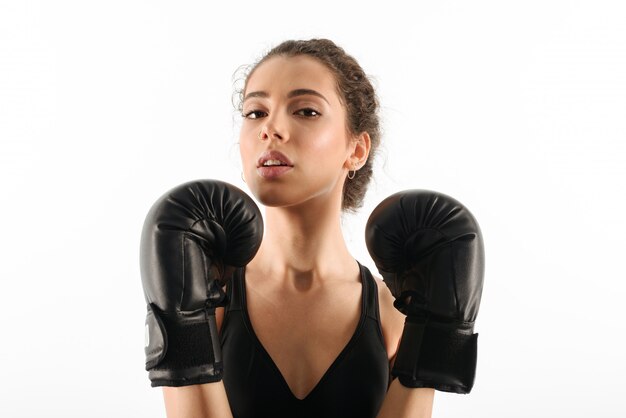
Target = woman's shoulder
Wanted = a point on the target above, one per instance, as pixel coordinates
(391, 320)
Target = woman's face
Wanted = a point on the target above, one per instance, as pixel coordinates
(293, 104)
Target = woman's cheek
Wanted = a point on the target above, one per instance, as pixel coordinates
(247, 159)
(329, 147)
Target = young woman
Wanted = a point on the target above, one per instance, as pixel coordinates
(307, 327)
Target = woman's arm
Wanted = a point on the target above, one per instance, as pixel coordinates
(400, 401)
(197, 401)
(403, 402)
(208, 400)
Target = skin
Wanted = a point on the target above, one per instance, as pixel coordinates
(303, 268)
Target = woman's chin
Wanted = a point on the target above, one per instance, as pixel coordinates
(272, 201)
(275, 197)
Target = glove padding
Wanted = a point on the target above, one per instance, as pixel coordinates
(428, 248)
(193, 238)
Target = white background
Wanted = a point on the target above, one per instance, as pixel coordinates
(517, 109)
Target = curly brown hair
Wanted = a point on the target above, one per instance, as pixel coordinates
(356, 94)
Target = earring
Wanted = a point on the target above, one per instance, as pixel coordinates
(244, 180)
(353, 173)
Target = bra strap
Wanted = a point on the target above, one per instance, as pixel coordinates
(233, 290)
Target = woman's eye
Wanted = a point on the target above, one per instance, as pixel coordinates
(308, 112)
(254, 114)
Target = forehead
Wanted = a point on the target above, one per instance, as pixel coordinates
(279, 75)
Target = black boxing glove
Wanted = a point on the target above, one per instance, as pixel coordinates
(428, 248)
(193, 238)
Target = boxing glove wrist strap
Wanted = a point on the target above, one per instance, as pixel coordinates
(182, 349)
(436, 355)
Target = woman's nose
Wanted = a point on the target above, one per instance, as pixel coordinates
(270, 131)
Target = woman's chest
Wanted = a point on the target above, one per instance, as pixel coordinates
(304, 335)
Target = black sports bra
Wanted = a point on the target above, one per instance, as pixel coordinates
(353, 386)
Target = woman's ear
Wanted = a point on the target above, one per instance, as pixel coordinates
(360, 147)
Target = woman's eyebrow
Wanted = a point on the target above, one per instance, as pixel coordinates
(303, 92)
(292, 93)
(255, 94)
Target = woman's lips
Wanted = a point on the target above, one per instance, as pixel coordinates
(270, 172)
(273, 155)
(273, 171)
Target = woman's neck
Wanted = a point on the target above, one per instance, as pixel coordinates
(303, 245)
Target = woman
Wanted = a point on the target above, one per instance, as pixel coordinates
(296, 324)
